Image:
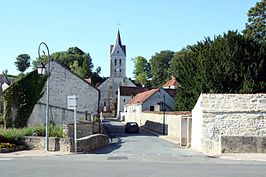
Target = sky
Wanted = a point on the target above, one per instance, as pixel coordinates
(146, 26)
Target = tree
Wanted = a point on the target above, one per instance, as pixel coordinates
(230, 63)
(142, 70)
(256, 25)
(160, 63)
(22, 62)
(74, 59)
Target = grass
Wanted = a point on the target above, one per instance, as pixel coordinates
(15, 133)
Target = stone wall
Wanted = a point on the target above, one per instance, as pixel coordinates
(243, 144)
(216, 115)
(84, 128)
(84, 144)
(155, 121)
(63, 83)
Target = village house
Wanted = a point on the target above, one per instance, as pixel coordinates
(63, 83)
(151, 100)
(125, 94)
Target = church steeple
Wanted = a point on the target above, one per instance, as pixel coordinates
(118, 58)
(118, 39)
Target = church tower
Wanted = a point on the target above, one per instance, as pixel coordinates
(118, 58)
(109, 88)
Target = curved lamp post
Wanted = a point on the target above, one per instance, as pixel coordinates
(41, 70)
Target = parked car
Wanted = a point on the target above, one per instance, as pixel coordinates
(131, 127)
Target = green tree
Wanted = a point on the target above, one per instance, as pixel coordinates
(160, 64)
(256, 25)
(22, 62)
(142, 70)
(74, 59)
(230, 63)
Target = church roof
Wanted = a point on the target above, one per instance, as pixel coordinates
(118, 38)
(118, 42)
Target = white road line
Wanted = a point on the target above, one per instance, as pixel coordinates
(4, 159)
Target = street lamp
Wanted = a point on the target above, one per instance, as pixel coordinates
(41, 70)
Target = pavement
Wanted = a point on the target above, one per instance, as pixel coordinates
(231, 156)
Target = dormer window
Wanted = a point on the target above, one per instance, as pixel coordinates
(117, 51)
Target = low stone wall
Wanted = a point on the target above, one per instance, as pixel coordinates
(55, 143)
(160, 121)
(243, 144)
(84, 144)
(91, 142)
(84, 128)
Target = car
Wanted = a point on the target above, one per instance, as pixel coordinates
(131, 127)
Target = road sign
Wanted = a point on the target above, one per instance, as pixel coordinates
(71, 102)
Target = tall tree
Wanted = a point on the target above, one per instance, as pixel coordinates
(160, 63)
(256, 25)
(142, 70)
(22, 62)
(231, 63)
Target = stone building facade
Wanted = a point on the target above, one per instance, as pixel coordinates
(63, 83)
(229, 123)
(109, 88)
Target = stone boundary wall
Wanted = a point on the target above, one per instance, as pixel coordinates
(84, 144)
(84, 128)
(243, 144)
(156, 120)
(217, 115)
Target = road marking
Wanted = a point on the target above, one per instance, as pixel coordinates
(4, 159)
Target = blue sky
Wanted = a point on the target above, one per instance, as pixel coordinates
(146, 26)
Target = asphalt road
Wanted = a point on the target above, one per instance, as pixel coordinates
(129, 156)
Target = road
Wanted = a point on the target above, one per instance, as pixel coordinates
(129, 156)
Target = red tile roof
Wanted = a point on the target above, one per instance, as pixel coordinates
(170, 83)
(143, 96)
(129, 91)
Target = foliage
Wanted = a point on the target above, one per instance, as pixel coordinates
(17, 133)
(6, 145)
(256, 26)
(20, 98)
(22, 62)
(77, 61)
(228, 64)
(74, 59)
(1, 119)
(142, 70)
(160, 63)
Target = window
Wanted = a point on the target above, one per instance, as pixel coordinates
(115, 62)
(104, 103)
(120, 70)
(120, 62)
(117, 51)
(151, 108)
(116, 92)
(124, 100)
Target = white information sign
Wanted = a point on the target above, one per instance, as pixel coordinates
(71, 102)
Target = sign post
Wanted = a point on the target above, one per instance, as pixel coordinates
(72, 104)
